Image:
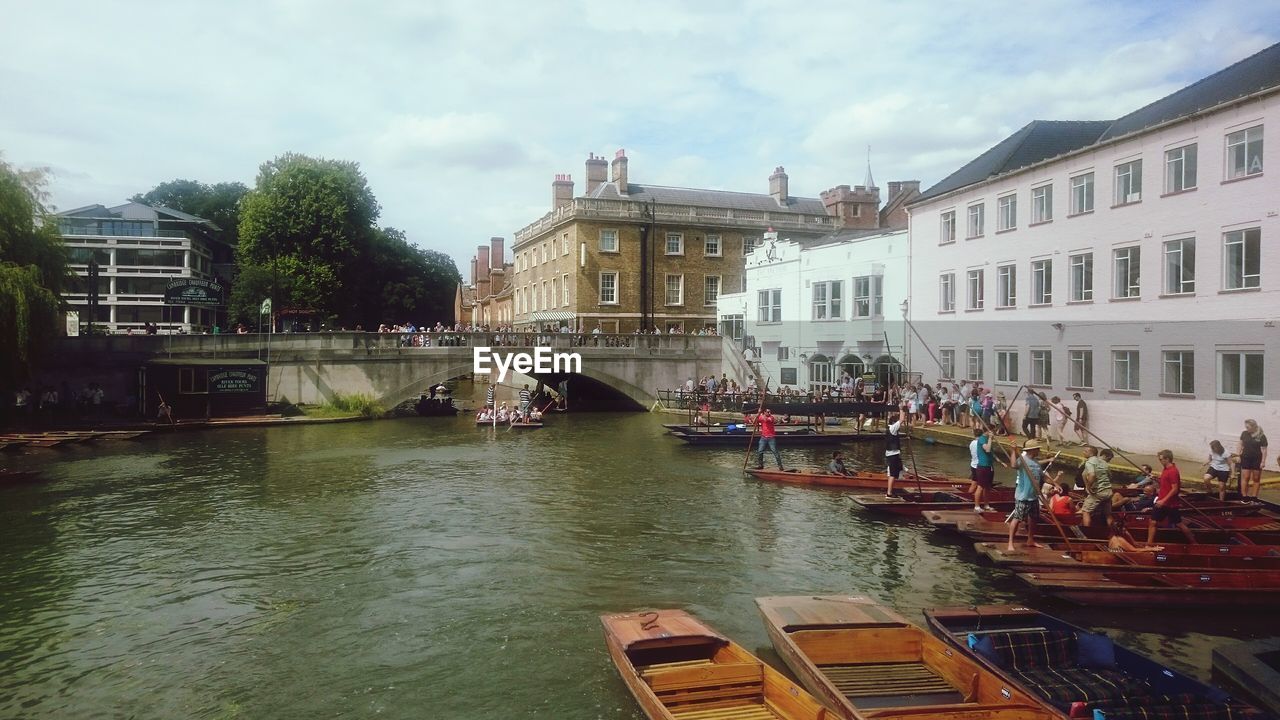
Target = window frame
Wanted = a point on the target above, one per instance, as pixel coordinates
(976, 302)
(1041, 367)
(1132, 275)
(1185, 286)
(947, 292)
(617, 290)
(1042, 204)
(706, 246)
(1241, 362)
(1085, 187)
(1006, 286)
(1228, 172)
(831, 306)
(617, 241)
(1007, 212)
(1042, 282)
(947, 231)
(1243, 275)
(947, 363)
(874, 297)
(975, 229)
(1127, 177)
(1006, 366)
(1186, 372)
(714, 300)
(564, 290)
(679, 302)
(679, 239)
(1181, 163)
(1079, 275)
(974, 361)
(1131, 364)
(1080, 368)
(769, 306)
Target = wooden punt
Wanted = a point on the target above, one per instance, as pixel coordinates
(34, 441)
(857, 481)
(1241, 558)
(979, 528)
(1079, 688)
(866, 661)
(1125, 588)
(910, 503)
(789, 439)
(1254, 667)
(678, 668)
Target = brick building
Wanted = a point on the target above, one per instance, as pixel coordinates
(487, 300)
(624, 256)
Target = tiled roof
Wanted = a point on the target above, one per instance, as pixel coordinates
(762, 202)
(1044, 139)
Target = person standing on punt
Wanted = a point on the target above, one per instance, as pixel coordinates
(488, 397)
(768, 438)
(1168, 497)
(525, 398)
(1097, 483)
(984, 473)
(1252, 450)
(1026, 506)
(1217, 469)
(893, 451)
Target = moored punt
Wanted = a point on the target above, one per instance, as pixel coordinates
(1240, 558)
(34, 440)
(678, 668)
(976, 527)
(1079, 673)
(1160, 589)
(860, 481)
(867, 661)
(910, 503)
(524, 425)
(788, 439)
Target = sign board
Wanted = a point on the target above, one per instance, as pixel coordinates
(234, 381)
(73, 323)
(193, 291)
(788, 376)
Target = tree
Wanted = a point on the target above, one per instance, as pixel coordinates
(219, 203)
(306, 225)
(33, 272)
(402, 282)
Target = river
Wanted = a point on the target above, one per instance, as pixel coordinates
(425, 568)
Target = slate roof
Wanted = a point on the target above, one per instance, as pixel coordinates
(134, 211)
(708, 198)
(1041, 140)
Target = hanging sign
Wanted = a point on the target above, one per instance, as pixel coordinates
(193, 291)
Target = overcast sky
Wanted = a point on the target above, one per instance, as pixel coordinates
(460, 113)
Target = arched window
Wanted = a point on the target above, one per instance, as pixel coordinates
(820, 372)
(851, 364)
(888, 371)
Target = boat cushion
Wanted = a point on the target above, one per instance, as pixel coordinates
(1028, 650)
(1175, 711)
(1095, 650)
(1065, 685)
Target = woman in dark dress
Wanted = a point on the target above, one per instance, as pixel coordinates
(1253, 455)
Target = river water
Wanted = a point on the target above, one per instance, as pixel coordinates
(425, 568)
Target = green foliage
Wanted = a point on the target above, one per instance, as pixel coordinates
(33, 272)
(348, 405)
(403, 283)
(219, 202)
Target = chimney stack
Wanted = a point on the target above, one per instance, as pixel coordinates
(778, 185)
(895, 187)
(597, 172)
(473, 271)
(620, 171)
(561, 191)
(482, 269)
(497, 258)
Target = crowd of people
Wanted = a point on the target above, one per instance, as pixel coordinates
(504, 415)
(58, 404)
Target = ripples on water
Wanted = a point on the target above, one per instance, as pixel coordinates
(424, 568)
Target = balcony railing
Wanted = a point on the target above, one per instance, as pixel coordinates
(629, 210)
(71, 231)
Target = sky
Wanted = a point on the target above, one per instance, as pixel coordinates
(461, 113)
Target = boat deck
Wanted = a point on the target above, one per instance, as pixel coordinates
(871, 685)
(706, 690)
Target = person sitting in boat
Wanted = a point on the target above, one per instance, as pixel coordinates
(836, 466)
(535, 415)
(1061, 504)
(1120, 542)
(1146, 478)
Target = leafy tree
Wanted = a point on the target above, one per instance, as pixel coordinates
(33, 272)
(219, 202)
(402, 282)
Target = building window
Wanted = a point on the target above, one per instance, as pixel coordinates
(544, 253)
(784, 353)
(711, 247)
(1007, 366)
(1240, 375)
(608, 241)
(732, 326)
(748, 244)
(977, 289)
(948, 227)
(1007, 212)
(1006, 286)
(1180, 169)
(1042, 204)
(1242, 259)
(1041, 367)
(548, 297)
(1082, 277)
(675, 244)
(770, 304)
(564, 244)
(947, 359)
(710, 289)
(564, 290)
(675, 289)
(1244, 153)
(975, 220)
(826, 300)
(947, 292)
(1042, 282)
(1128, 187)
(1124, 370)
(1082, 194)
(1180, 266)
(1128, 262)
(868, 296)
(819, 375)
(555, 292)
(1080, 368)
(1179, 372)
(974, 370)
(608, 288)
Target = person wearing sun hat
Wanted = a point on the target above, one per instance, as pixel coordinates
(1026, 507)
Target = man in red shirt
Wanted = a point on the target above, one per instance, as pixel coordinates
(1168, 497)
(768, 439)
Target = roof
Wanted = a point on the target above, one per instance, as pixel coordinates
(135, 211)
(762, 202)
(846, 235)
(1255, 73)
(1041, 140)
(1036, 141)
(467, 295)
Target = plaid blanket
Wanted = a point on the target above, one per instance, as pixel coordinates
(1031, 650)
(1065, 685)
(1177, 711)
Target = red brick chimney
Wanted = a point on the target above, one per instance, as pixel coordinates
(778, 185)
(482, 268)
(561, 191)
(620, 171)
(473, 271)
(497, 255)
(597, 172)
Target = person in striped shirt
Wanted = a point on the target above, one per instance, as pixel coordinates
(525, 398)
(488, 397)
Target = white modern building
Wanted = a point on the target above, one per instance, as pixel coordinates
(139, 250)
(813, 309)
(1134, 261)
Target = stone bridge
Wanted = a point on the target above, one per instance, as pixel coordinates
(616, 370)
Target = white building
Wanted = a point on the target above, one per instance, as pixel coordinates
(814, 309)
(1133, 261)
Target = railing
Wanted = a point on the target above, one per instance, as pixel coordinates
(743, 399)
(96, 232)
(593, 207)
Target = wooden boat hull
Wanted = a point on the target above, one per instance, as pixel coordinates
(910, 503)
(865, 660)
(677, 667)
(1244, 558)
(1167, 589)
(953, 625)
(977, 528)
(857, 481)
(1246, 666)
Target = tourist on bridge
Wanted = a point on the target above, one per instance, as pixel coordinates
(768, 438)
